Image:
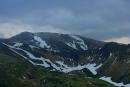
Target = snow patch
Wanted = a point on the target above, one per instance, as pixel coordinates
(32, 47)
(41, 42)
(80, 42)
(110, 55)
(18, 44)
(108, 79)
(61, 64)
(100, 48)
(91, 67)
(72, 45)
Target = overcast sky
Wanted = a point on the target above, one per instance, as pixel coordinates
(99, 19)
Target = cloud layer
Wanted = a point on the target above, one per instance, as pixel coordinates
(11, 29)
(125, 40)
(98, 19)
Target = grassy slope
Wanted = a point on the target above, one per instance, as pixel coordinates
(16, 72)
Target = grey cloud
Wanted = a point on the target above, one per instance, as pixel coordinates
(1, 35)
(99, 19)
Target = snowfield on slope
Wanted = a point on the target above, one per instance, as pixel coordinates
(62, 67)
(80, 42)
(108, 79)
(48, 63)
(17, 44)
(41, 42)
(71, 44)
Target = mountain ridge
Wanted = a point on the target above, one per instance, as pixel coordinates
(68, 53)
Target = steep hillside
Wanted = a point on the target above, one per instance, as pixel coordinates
(69, 53)
(15, 71)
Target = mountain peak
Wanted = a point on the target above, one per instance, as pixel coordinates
(67, 53)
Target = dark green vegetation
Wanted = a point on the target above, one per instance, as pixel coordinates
(16, 72)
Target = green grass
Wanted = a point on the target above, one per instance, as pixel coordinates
(16, 72)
